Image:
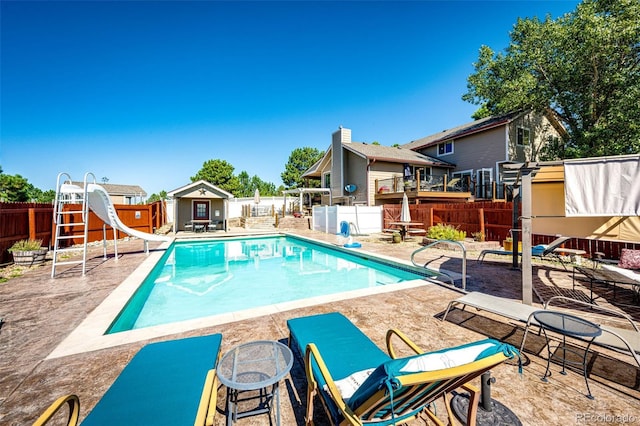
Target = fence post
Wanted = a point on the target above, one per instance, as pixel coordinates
(150, 216)
(481, 219)
(32, 224)
(430, 218)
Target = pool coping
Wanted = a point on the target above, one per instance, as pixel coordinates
(89, 334)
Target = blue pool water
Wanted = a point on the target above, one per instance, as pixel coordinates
(198, 279)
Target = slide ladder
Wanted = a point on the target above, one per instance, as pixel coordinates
(68, 194)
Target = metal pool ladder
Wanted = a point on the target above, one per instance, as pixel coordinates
(464, 260)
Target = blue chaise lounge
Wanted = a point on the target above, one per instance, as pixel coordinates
(358, 383)
(165, 383)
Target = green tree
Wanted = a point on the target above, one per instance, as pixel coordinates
(583, 66)
(39, 196)
(15, 188)
(219, 173)
(265, 188)
(300, 160)
(157, 197)
(244, 181)
(248, 186)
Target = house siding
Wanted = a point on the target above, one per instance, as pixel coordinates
(381, 171)
(183, 212)
(541, 130)
(480, 150)
(337, 161)
(355, 172)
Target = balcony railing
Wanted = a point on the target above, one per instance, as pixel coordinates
(442, 183)
(429, 183)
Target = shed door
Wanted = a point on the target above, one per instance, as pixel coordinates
(200, 210)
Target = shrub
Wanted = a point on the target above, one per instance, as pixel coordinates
(26, 245)
(443, 231)
(478, 236)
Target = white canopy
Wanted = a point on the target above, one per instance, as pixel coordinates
(607, 186)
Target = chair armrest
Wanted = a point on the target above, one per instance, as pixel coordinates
(313, 355)
(402, 337)
(74, 410)
(208, 400)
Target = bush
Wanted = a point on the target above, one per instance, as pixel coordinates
(26, 245)
(443, 231)
(478, 236)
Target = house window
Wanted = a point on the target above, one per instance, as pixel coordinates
(445, 148)
(326, 180)
(523, 136)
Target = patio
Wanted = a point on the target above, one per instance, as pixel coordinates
(40, 312)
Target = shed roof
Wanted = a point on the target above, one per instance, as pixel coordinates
(115, 189)
(199, 184)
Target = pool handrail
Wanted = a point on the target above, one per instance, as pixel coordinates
(464, 260)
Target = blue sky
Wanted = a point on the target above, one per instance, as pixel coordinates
(144, 92)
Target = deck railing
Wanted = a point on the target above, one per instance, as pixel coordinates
(428, 183)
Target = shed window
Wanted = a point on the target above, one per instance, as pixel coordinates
(523, 136)
(445, 148)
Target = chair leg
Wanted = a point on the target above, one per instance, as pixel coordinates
(311, 392)
(474, 399)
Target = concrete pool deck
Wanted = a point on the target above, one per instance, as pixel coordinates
(40, 313)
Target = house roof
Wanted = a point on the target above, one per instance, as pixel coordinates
(477, 126)
(394, 154)
(199, 184)
(380, 153)
(114, 189)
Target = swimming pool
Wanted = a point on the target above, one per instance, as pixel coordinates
(202, 278)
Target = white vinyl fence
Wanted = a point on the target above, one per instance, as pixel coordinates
(263, 208)
(362, 219)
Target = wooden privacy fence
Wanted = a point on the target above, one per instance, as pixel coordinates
(20, 221)
(494, 220)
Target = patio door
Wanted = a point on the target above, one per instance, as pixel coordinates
(200, 210)
(484, 183)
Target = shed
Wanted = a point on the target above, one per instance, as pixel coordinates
(200, 202)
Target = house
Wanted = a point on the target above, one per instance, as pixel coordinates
(122, 194)
(369, 174)
(480, 149)
(200, 206)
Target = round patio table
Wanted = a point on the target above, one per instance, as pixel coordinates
(252, 368)
(567, 325)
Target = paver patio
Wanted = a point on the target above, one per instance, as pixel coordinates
(39, 312)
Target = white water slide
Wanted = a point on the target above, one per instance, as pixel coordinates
(96, 198)
(102, 206)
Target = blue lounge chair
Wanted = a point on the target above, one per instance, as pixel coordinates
(551, 251)
(358, 383)
(165, 383)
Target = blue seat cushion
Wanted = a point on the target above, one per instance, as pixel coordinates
(538, 250)
(161, 385)
(345, 349)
